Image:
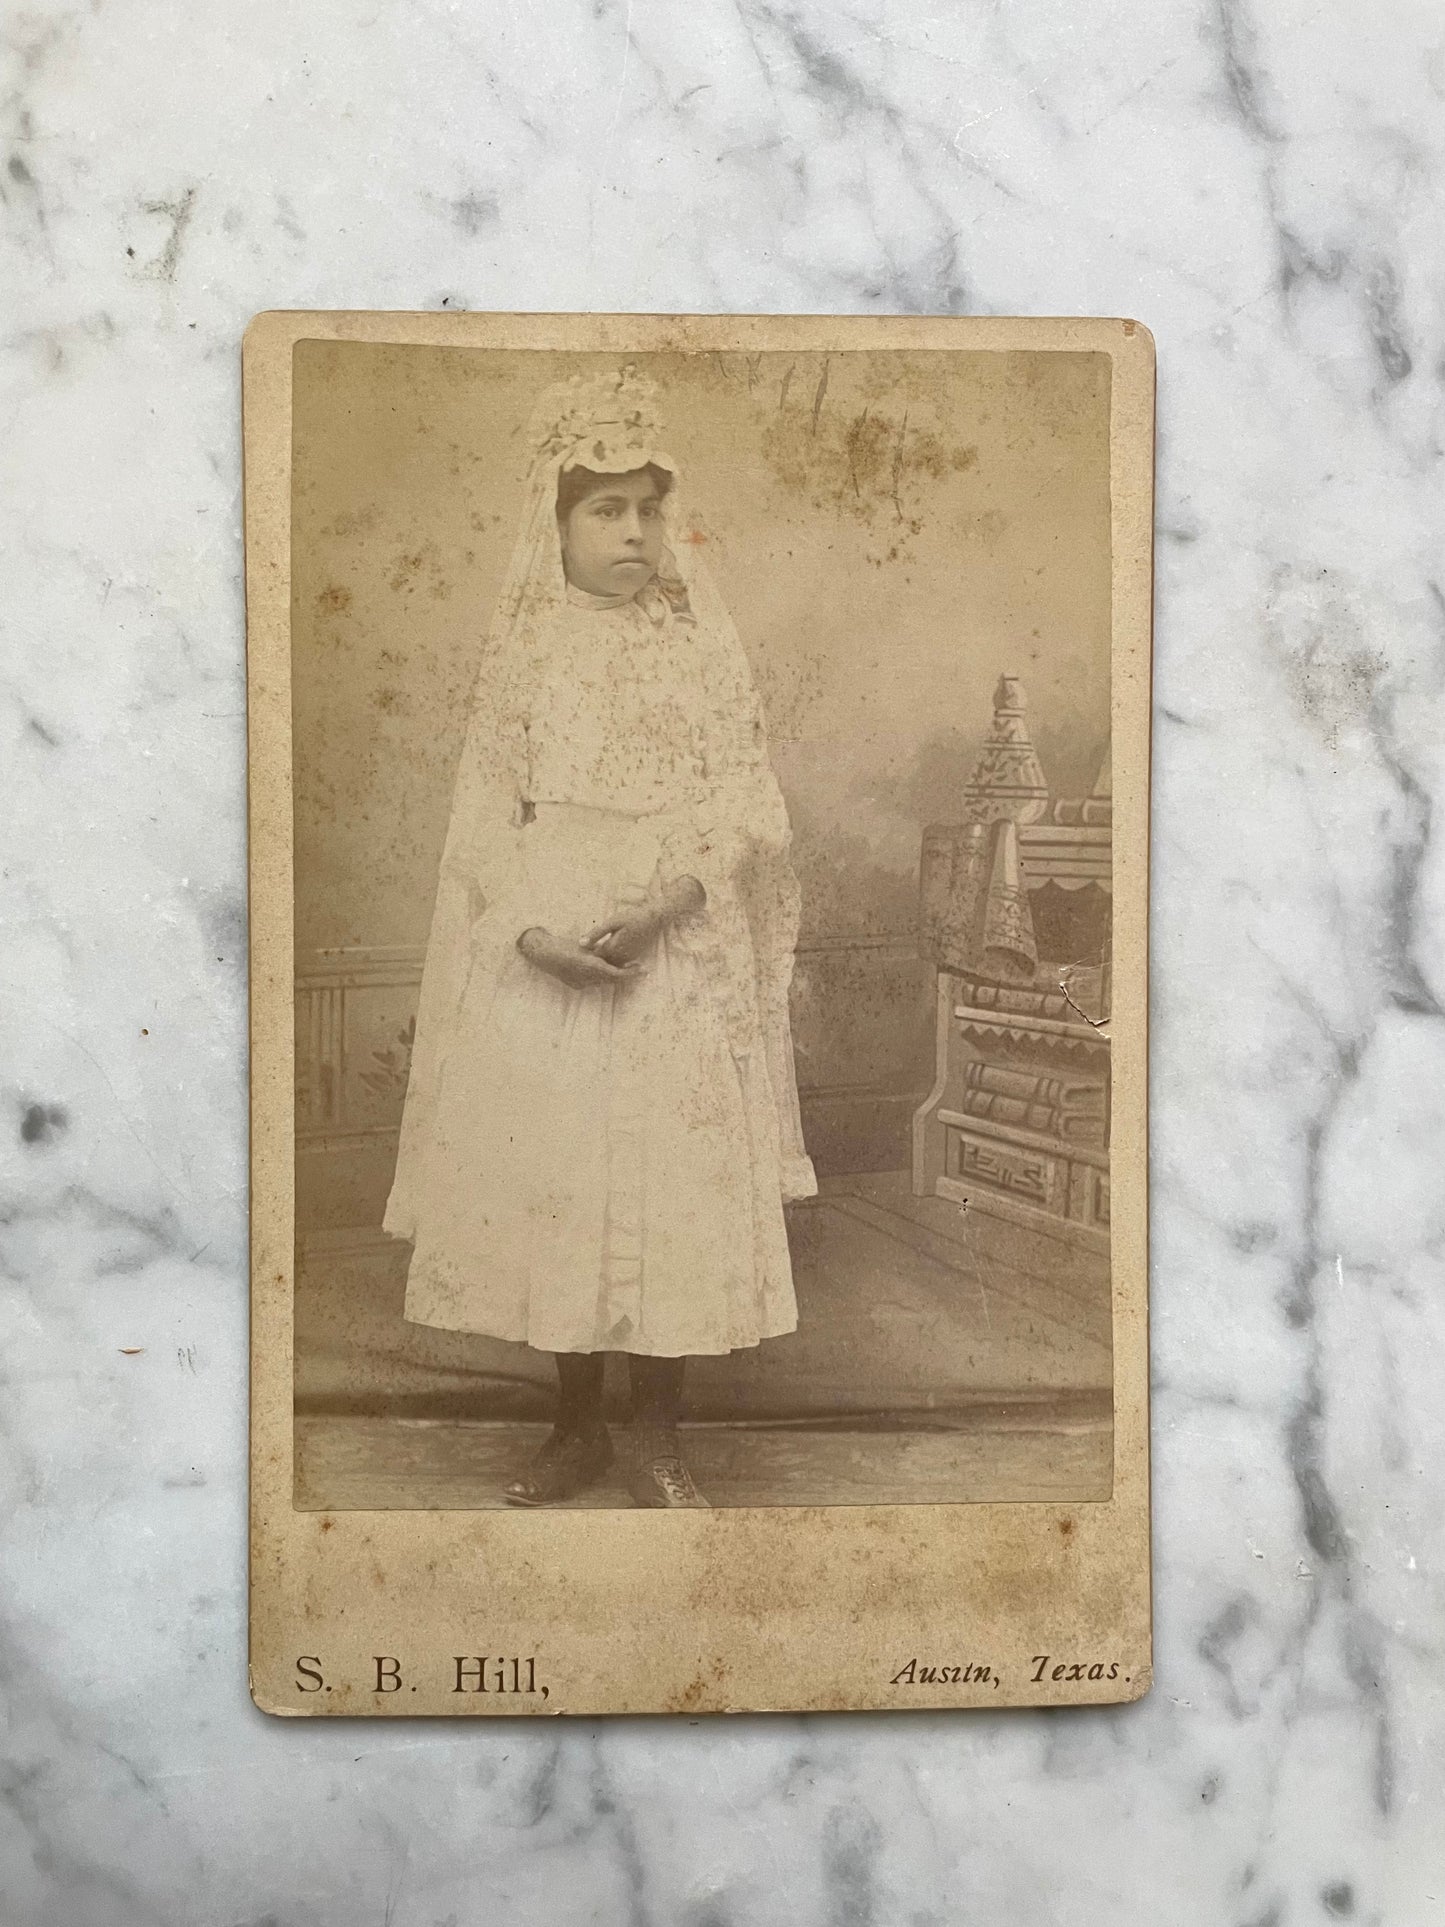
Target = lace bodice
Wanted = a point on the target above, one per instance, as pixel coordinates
(612, 712)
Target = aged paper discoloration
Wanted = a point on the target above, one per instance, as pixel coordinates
(699, 812)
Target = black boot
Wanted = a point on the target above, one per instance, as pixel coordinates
(657, 1475)
(579, 1449)
(563, 1465)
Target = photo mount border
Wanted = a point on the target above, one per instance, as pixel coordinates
(866, 1592)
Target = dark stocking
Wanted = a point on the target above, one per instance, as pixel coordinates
(657, 1475)
(656, 1390)
(579, 1404)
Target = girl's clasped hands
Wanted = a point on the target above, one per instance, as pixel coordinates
(612, 950)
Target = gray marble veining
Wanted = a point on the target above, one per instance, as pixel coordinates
(1261, 184)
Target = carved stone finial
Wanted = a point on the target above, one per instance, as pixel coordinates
(1008, 780)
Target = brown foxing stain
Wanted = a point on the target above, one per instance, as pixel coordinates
(420, 570)
(860, 461)
(353, 522)
(334, 601)
(873, 465)
(708, 1683)
(1066, 1527)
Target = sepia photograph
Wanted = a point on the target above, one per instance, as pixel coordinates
(703, 890)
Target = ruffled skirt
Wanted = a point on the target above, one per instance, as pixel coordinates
(602, 1169)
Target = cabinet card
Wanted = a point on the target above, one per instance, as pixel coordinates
(699, 855)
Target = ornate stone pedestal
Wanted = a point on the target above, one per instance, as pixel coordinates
(1015, 912)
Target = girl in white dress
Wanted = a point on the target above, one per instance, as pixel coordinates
(601, 1122)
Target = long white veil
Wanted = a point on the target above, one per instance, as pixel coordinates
(608, 423)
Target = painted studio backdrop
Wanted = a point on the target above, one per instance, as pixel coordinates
(915, 551)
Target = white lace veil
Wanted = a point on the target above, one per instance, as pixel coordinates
(609, 424)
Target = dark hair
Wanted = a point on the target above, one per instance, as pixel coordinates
(576, 484)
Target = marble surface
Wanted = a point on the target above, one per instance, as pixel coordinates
(1259, 183)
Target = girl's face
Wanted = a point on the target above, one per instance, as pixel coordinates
(612, 538)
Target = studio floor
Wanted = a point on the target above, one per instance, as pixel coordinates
(346, 1463)
(940, 1356)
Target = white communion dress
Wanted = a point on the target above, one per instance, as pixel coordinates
(605, 1168)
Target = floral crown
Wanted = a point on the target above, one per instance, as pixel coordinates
(609, 422)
